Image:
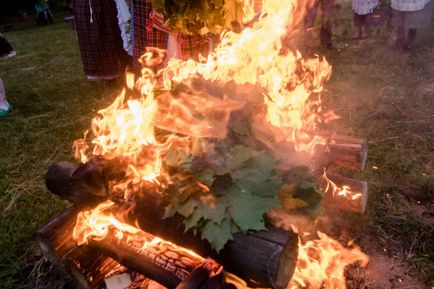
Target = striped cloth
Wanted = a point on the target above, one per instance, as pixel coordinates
(99, 38)
(149, 30)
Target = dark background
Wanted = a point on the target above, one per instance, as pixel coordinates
(24, 10)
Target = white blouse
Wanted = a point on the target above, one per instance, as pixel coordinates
(409, 5)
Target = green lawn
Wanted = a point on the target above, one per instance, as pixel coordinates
(53, 105)
(385, 96)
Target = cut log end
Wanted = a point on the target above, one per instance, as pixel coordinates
(286, 264)
(348, 152)
(353, 200)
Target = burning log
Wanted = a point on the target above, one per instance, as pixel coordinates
(87, 267)
(268, 257)
(265, 258)
(344, 152)
(346, 194)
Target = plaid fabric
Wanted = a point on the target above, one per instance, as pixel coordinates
(99, 38)
(146, 34)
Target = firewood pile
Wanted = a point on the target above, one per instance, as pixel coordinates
(263, 259)
(192, 175)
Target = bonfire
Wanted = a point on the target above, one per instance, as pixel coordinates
(201, 170)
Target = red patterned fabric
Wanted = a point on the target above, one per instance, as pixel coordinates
(99, 38)
(145, 34)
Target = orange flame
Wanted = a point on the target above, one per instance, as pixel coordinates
(96, 224)
(143, 129)
(127, 128)
(344, 191)
(321, 263)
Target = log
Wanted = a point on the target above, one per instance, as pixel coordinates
(353, 199)
(88, 268)
(89, 265)
(203, 277)
(85, 185)
(343, 152)
(264, 259)
(169, 266)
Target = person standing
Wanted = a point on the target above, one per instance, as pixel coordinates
(361, 10)
(99, 38)
(43, 12)
(408, 15)
(326, 8)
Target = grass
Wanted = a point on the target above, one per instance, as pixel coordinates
(384, 96)
(53, 104)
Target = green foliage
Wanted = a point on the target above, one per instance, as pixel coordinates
(198, 16)
(243, 186)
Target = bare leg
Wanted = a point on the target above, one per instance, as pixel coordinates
(4, 104)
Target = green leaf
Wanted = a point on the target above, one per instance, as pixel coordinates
(193, 220)
(217, 234)
(213, 208)
(187, 208)
(246, 210)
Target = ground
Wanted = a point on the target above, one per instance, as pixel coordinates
(383, 95)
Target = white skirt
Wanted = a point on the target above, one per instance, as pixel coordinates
(363, 7)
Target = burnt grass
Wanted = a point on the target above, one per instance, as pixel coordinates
(383, 95)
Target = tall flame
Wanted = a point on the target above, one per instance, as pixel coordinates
(291, 86)
(165, 112)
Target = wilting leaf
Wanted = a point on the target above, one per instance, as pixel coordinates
(287, 199)
(169, 211)
(207, 177)
(238, 155)
(217, 234)
(308, 192)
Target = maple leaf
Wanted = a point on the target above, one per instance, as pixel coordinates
(217, 234)
(246, 210)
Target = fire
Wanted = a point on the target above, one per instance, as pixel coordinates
(321, 263)
(149, 119)
(98, 223)
(344, 191)
(291, 85)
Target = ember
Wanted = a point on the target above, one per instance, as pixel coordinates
(204, 150)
